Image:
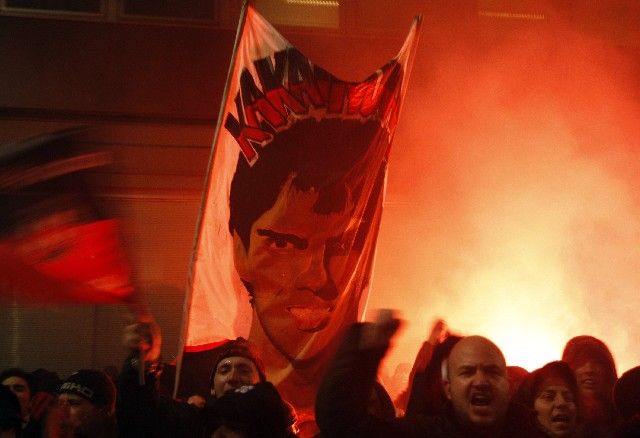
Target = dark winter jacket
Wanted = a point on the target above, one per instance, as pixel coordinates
(141, 412)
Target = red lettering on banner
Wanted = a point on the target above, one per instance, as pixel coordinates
(266, 111)
(306, 85)
(307, 92)
(284, 102)
(250, 135)
(361, 98)
(324, 87)
(336, 97)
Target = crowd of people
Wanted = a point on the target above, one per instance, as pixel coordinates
(458, 387)
(462, 387)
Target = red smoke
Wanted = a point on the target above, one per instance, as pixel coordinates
(512, 206)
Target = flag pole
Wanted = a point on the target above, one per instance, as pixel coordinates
(142, 315)
(417, 28)
(203, 200)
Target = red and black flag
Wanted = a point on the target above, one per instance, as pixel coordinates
(56, 245)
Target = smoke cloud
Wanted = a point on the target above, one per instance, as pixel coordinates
(512, 205)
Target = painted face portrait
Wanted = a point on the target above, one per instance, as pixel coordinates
(297, 221)
(295, 268)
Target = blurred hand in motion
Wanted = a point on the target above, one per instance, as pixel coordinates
(144, 337)
(439, 332)
(378, 334)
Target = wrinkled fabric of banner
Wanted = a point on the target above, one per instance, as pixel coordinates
(287, 233)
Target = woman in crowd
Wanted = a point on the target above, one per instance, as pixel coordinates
(552, 394)
(595, 370)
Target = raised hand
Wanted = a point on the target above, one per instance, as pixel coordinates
(144, 337)
(378, 334)
(439, 332)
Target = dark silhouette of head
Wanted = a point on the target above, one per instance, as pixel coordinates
(627, 396)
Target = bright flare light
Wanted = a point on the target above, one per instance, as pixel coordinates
(525, 227)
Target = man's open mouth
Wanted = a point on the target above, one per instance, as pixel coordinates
(481, 400)
(310, 318)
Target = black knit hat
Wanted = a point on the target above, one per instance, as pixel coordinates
(17, 372)
(242, 348)
(92, 385)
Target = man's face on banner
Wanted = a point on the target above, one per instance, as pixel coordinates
(295, 267)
